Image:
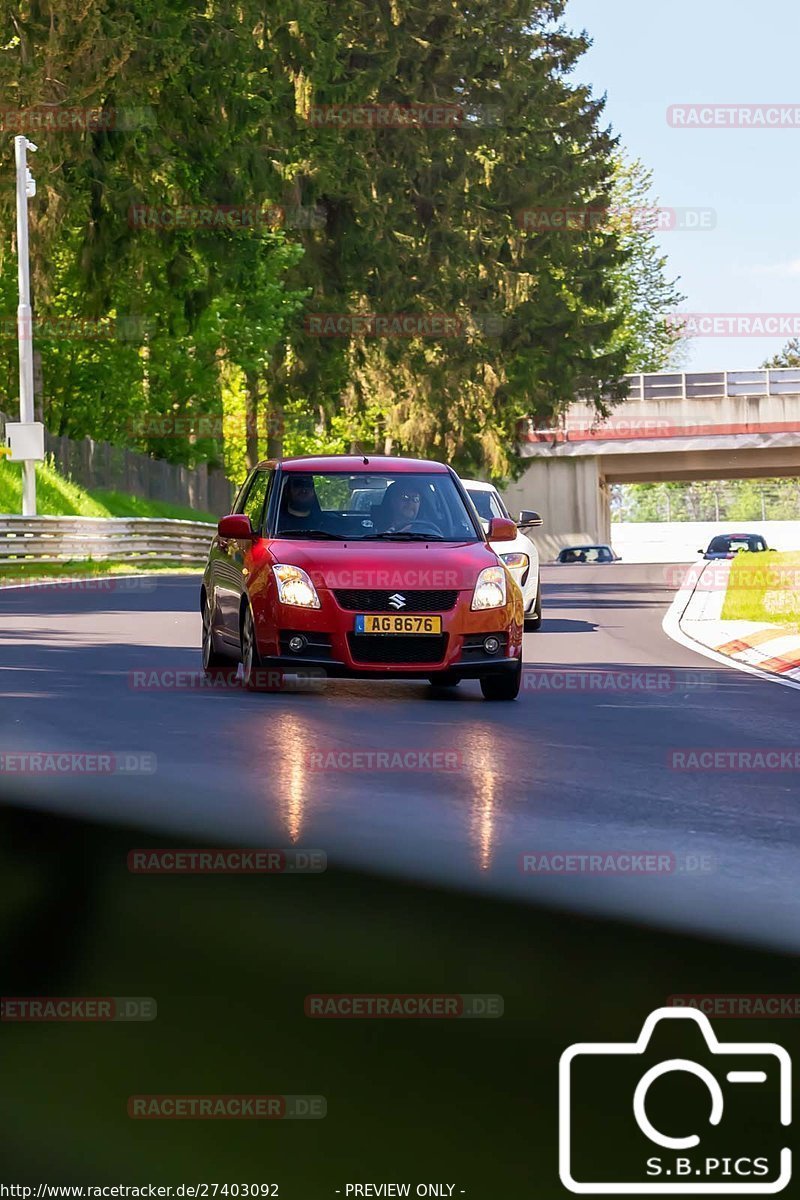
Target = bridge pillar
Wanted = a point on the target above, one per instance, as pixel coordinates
(572, 498)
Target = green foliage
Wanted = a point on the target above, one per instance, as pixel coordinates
(213, 105)
(708, 500)
(789, 356)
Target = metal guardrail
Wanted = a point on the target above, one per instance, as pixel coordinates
(51, 540)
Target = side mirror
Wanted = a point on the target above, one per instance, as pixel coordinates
(701, 551)
(502, 529)
(236, 528)
(529, 518)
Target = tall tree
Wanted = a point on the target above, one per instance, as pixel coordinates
(212, 106)
(789, 356)
(645, 295)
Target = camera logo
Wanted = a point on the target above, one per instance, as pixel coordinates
(627, 1112)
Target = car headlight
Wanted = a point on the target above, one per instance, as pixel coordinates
(295, 587)
(490, 590)
(516, 561)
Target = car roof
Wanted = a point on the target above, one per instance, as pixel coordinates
(354, 463)
(479, 485)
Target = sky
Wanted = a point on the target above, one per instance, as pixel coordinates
(646, 57)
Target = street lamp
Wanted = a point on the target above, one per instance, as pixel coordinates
(26, 439)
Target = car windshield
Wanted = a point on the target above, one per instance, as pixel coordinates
(367, 506)
(486, 503)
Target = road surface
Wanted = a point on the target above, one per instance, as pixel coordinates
(580, 764)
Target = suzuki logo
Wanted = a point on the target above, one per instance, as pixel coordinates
(397, 601)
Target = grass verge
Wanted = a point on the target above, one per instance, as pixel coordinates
(764, 587)
(89, 570)
(57, 496)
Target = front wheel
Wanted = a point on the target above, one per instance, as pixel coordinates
(215, 665)
(534, 620)
(255, 676)
(502, 687)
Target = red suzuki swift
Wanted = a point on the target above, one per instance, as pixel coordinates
(362, 568)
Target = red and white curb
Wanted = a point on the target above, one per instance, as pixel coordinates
(768, 650)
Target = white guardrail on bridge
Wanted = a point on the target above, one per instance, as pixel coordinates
(128, 539)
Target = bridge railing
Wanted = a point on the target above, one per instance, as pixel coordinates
(714, 385)
(50, 540)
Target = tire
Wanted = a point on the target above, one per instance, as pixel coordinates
(502, 687)
(534, 621)
(215, 665)
(447, 679)
(255, 676)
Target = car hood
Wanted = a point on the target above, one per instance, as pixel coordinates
(419, 566)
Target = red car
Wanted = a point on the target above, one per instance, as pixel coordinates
(362, 568)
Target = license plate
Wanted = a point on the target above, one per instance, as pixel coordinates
(395, 623)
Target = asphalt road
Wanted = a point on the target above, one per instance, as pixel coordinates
(579, 764)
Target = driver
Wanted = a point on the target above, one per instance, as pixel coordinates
(299, 503)
(402, 503)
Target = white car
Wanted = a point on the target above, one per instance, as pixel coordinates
(520, 556)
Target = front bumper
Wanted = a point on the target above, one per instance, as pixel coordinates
(332, 645)
(293, 665)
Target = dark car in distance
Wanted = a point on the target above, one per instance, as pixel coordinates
(587, 554)
(728, 545)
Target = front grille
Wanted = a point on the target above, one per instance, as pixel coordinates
(386, 648)
(370, 600)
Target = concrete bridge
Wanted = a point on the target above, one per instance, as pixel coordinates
(672, 426)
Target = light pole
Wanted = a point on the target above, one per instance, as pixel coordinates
(26, 188)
